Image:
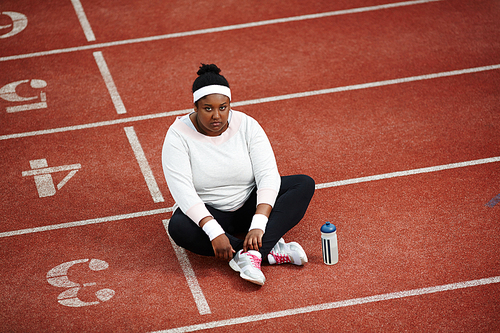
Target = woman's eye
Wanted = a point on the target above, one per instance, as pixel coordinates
(208, 109)
(222, 108)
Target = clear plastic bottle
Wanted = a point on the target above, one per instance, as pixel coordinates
(329, 244)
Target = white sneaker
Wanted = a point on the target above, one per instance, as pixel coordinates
(287, 252)
(248, 264)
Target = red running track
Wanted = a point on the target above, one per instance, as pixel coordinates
(418, 249)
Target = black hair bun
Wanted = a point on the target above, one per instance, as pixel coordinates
(209, 75)
(204, 68)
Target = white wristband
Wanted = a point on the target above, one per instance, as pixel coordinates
(259, 221)
(213, 229)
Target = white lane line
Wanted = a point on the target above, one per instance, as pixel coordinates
(84, 22)
(110, 84)
(85, 222)
(94, 125)
(219, 29)
(192, 281)
(408, 172)
(318, 186)
(335, 305)
(369, 85)
(255, 101)
(144, 165)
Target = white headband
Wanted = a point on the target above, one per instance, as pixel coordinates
(213, 89)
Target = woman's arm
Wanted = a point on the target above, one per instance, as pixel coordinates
(177, 169)
(267, 179)
(253, 239)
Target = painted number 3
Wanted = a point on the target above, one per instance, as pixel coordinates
(57, 277)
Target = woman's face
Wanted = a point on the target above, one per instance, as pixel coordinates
(212, 113)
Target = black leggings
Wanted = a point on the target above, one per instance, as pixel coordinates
(291, 204)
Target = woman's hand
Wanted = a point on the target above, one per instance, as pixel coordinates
(253, 240)
(222, 248)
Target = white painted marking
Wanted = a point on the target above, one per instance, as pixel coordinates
(26, 107)
(65, 180)
(144, 165)
(192, 281)
(8, 93)
(105, 294)
(254, 101)
(408, 172)
(110, 84)
(41, 171)
(95, 125)
(334, 305)
(219, 29)
(19, 23)
(45, 186)
(62, 270)
(84, 22)
(98, 265)
(368, 85)
(170, 209)
(86, 222)
(43, 176)
(57, 277)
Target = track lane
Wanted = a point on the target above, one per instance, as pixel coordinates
(144, 290)
(108, 182)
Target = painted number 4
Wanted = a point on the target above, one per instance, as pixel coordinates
(43, 176)
(57, 277)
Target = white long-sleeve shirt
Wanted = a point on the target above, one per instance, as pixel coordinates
(220, 171)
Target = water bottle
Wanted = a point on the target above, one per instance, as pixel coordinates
(329, 244)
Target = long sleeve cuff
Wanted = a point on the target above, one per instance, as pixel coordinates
(267, 196)
(198, 212)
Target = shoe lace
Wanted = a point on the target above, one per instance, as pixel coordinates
(255, 260)
(281, 258)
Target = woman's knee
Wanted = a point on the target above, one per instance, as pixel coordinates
(174, 230)
(308, 181)
(307, 184)
(179, 227)
(302, 187)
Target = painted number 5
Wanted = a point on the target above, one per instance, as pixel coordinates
(57, 277)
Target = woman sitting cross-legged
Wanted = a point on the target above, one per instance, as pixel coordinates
(222, 173)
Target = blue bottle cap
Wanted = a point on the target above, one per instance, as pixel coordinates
(328, 228)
